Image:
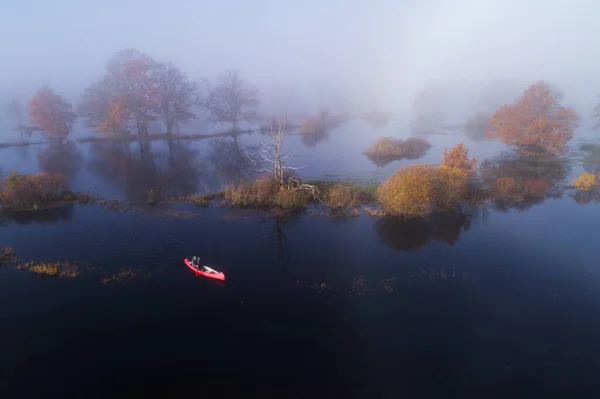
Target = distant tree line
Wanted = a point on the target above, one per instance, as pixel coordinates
(135, 91)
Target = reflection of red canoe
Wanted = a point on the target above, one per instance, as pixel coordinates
(205, 271)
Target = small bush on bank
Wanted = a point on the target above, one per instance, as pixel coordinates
(265, 193)
(27, 191)
(450, 187)
(409, 192)
(585, 182)
(258, 193)
(200, 200)
(339, 196)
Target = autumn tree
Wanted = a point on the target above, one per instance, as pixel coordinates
(126, 97)
(136, 90)
(458, 158)
(537, 121)
(176, 97)
(231, 100)
(51, 113)
(95, 105)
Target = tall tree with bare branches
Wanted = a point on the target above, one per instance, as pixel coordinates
(231, 100)
(126, 97)
(274, 161)
(176, 97)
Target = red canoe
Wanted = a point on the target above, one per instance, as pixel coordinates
(207, 272)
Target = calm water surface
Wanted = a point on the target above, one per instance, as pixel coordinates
(503, 305)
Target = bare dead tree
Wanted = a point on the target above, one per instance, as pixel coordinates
(272, 160)
(231, 100)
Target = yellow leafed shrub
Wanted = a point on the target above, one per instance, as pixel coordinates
(409, 192)
(585, 182)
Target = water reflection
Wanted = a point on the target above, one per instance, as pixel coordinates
(411, 234)
(230, 159)
(518, 180)
(311, 137)
(585, 198)
(427, 124)
(138, 172)
(315, 129)
(275, 228)
(52, 215)
(590, 157)
(61, 157)
(377, 118)
(476, 126)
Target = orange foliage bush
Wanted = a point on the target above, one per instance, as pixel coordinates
(537, 120)
(458, 158)
(585, 182)
(51, 113)
(450, 187)
(28, 190)
(408, 192)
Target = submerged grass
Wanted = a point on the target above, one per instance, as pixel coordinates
(51, 269)
(7, 255)
(122, 276)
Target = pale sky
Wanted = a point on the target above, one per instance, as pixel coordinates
(379, 50)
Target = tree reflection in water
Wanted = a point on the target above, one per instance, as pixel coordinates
(519, 180)
(61, 157)
(231, 160)
(412, 234)
(171, 172)
(63, 213)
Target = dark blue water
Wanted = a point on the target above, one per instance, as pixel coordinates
(510, 307)
(503, 304)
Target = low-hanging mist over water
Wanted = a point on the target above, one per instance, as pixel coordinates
(402, 197)
(354, 53)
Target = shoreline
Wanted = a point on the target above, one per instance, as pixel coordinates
(131, 138)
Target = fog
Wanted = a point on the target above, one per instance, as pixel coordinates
(355, 53)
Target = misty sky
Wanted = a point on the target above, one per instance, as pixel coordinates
(379, 50)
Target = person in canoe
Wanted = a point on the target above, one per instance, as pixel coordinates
(196, 263)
